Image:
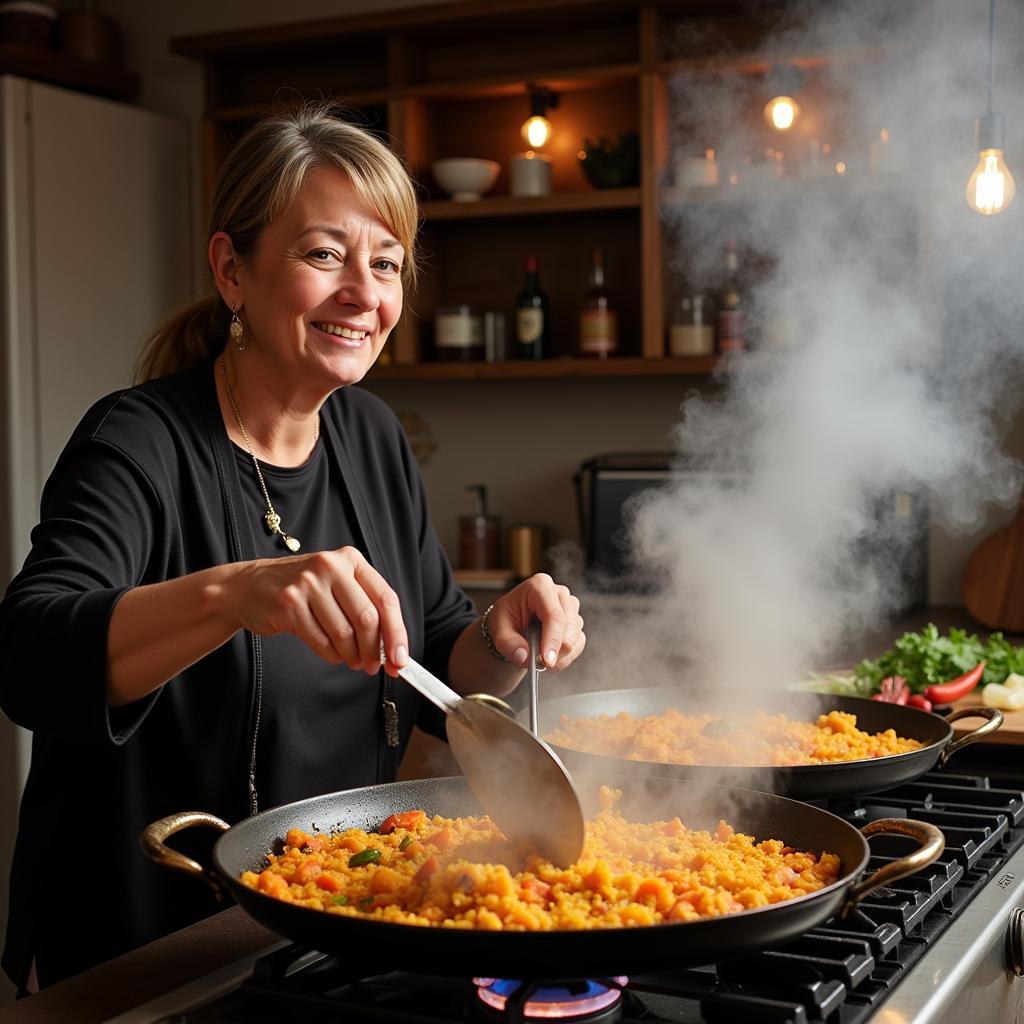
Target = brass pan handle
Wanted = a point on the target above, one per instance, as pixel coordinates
(995, 719)
(153, 839)
(932, 841)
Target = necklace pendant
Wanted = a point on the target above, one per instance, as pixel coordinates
(273, 521)
(291, 543)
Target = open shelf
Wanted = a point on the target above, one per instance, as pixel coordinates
(549, 369)
(481, 88)
(761, 63)
(511, 85)
(833, 186)
(515, 206)
(251, 111)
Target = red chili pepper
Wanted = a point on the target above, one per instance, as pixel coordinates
(946, 693)
(893, 690)
(917, 700)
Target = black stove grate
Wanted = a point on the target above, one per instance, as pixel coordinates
(839, 972)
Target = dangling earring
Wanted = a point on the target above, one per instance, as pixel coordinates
(237, 331)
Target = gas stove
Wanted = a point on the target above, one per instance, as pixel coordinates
(945, 944)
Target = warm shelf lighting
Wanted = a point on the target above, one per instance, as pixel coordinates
(991, 188)
(536, 130)
(782, 84)
(781, 112)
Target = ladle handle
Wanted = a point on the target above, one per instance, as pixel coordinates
(533, 638)
(430, 686)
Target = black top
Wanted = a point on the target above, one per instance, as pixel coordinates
(331, 699)
(150, 488)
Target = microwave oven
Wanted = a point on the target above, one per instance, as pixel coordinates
(607, 484)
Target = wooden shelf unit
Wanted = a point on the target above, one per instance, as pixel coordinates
(526, 206)
(452, 80)
(548, 369)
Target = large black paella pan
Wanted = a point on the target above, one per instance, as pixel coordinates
(543, 955)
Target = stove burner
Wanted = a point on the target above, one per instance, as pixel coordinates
(556, 1000)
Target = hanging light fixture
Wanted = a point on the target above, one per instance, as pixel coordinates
(536, 128)
(782, 110)
(991, 187)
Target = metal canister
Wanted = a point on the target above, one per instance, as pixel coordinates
(525, 548)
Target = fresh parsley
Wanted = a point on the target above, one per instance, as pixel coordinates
(929, 658)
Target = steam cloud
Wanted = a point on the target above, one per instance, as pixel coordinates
(890, 322)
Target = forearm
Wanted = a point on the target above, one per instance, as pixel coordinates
(157, 631)
(473, 669)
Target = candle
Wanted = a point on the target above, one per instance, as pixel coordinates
(694, 171)
(531, 174)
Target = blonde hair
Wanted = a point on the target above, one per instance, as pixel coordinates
(257, 183)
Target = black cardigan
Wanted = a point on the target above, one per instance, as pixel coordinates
(148, 490)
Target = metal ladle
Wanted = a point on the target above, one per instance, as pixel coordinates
(515, 775)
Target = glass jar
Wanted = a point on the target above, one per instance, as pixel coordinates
(690, 335)
(458, 334)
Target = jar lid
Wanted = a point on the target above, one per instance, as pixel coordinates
(459, 310)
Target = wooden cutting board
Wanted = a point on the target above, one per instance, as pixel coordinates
(993, 584)
(1010, 732)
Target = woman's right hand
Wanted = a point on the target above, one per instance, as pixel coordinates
(333, 601)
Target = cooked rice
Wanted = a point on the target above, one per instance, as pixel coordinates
(775, 740)
(461, 873)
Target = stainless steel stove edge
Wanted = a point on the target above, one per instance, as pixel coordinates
(966, 976)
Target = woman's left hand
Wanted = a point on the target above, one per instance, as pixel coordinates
(562, 638)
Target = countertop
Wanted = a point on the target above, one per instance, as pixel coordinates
(135, 978)
(171, 962)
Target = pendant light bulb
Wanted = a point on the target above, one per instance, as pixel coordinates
(991, 187)
(536, 131)
(781, 112)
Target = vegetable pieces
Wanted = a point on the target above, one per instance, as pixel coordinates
(1008, 695)
(928, 659)
(893, 690)
(946, 693)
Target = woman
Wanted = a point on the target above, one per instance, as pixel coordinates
(235, 558)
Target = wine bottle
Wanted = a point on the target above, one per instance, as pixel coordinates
(532, 330)
(599, 334)
(731, 335)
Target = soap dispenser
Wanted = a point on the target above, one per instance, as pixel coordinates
(479, 535)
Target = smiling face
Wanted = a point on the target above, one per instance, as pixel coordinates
(322, 289)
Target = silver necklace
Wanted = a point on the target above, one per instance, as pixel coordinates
(272, 519)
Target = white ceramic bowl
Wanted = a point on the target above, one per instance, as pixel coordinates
(465, 178)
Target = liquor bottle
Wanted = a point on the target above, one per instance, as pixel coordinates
(731, 333)
(599, 335)
(532, 330)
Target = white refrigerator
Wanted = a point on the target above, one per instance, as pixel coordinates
(94, 227)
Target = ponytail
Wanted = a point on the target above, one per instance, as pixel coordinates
(187, 337)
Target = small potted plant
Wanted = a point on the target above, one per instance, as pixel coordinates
(608, 164)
